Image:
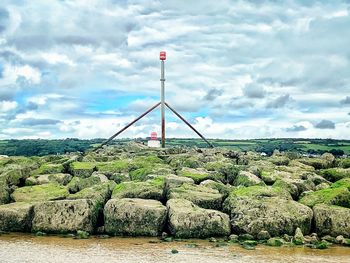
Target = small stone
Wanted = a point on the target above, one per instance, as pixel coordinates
(168, 239)
(339, 239)
(263, 235)
(164, 235)
(40, 234)
(212, 239)
(82, 234)
(275, 242)
(243, 237)
(233, 238)
(287, 238)
(329, 239)
(298, 237)
(320, 245)
(249, 243)
(174, 251)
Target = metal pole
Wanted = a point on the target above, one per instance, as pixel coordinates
(162, 97)
(200, 135)
(127, 126)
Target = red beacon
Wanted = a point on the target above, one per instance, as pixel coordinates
(153, 136)
(162, 55)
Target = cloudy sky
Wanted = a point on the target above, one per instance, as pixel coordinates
(235, 69)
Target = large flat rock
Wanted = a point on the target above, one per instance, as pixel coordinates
(65, 216)
(16, 217)
(134, 217)
(332, 220)
(187, 220)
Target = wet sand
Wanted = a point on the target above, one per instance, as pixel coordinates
(28, 248)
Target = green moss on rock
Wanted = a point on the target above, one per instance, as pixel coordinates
(199, 175)
(332, 196)
(335, 174)
(45, 192)
(82, 169)
(49, 168)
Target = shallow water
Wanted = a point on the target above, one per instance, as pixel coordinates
(28, 248)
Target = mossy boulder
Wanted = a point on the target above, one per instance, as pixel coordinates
(77, 184)
(287, 185)
(151, 189)
(341, 183)
(335, 174)
(49, 168)
(275, 242)
(245, 178)
(82, 169)
(134, 217)
(344, 163)
(199, 195)
(223, 189)
(173, 181)
(100, 192)
(184, 160)
(332, 220)
(65, 216)
(256, 208)
(59, 178)
(317, 163)
(332, 196)
(279, 160)
(16, 217)
(114, 167)
(225, 168)
(4, 191)
(199, 175)
(186, 220)
(45, 192)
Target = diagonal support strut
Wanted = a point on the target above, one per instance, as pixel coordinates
(188, 124)
(127, 126)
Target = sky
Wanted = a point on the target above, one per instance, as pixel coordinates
(234, 69)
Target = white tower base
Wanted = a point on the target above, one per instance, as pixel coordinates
(153, 143)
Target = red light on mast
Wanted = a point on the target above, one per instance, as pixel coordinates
(162, 55)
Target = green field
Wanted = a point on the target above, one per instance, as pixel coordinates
(311, 146)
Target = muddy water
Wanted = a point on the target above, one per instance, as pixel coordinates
(28, 248)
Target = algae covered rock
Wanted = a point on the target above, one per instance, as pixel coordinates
(82, 169)
(332, 220)
(335, 174)
(256, 208)
(151, 189)
(45, 192)
(245, 178)
(16, 217)
(172, 181)
(186, 220)
(298, 238)
(200, 195)
(134, 217)
(49, 168)
(65, 216)
(199, 175)
(59, 178)
(223, 189)
(333, 196)
(4, 191)
(77, 184)
(287, 185)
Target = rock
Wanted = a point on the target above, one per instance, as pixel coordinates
(186, 220)
(287, 185)
(185, 160)
(320, 245)
(245, 178)
(65, 216)
(311, 239)
(49, 168)
(77, 184)
(243, 237)
(328, 157)
(332, 220)
(16, 217)
(114, 167)
(4, 192)
(322, 186)
(250, 243)
(287, 238)
(329, 239)
(199, 195)
(340, 240)
(199, 175)
(45, 192)
(99, 193)
(263, 235)
(223, 189)
(233, 238)
(60, 178)
(82, 234)
(134, 217)
(332, 196)
(103, 178)
(173, 181)
(279, 160)
(256, 208)
(274, 242)
(298, 237)
(317, 163)
(335, 174)
(151, 189)
(82, 169)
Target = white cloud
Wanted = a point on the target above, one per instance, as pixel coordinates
(7, 106)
